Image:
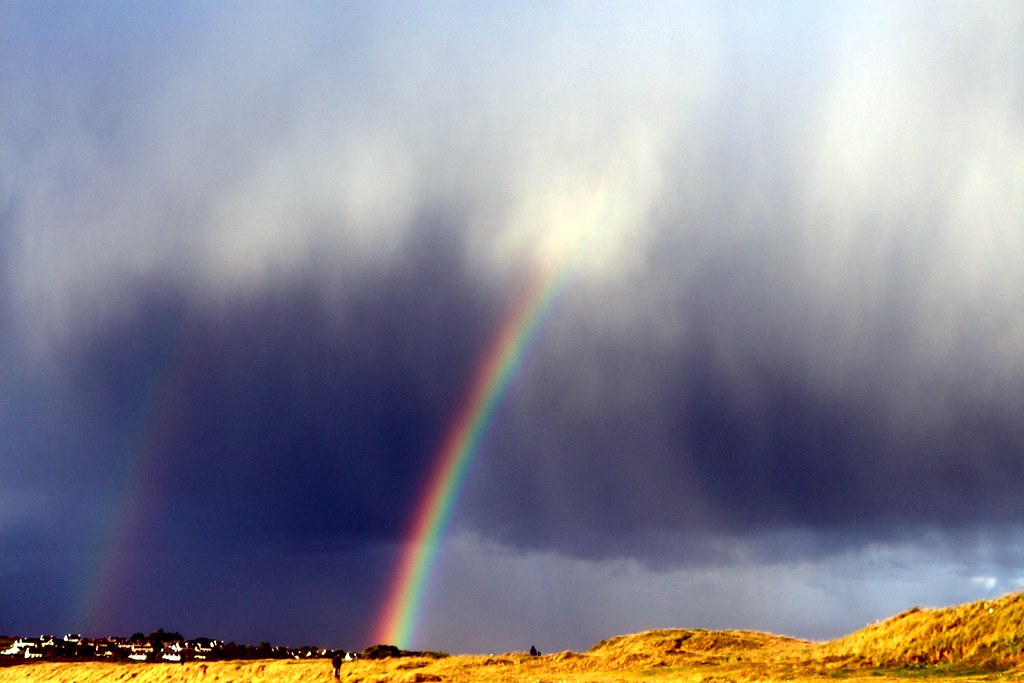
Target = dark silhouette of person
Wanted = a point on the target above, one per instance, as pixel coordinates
(336, 663)
(533, 651)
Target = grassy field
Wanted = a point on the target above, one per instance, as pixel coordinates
(979, 641)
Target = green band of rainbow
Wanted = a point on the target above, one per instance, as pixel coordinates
(432, 514)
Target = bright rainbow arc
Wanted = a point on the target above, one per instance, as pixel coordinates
(432, 514)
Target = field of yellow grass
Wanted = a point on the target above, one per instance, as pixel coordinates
(973, 642)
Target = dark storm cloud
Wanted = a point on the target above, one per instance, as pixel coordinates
(730, 433)
(819, 340)
(186, 445)
(283, 417)
(809, 347)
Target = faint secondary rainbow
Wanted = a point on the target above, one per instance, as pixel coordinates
(142, 445)
(490, 382)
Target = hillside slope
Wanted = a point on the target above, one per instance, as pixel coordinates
(677, 647)
(985, 634)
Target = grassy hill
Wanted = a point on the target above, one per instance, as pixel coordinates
(652, 650)
(988, 634)
(971, 642)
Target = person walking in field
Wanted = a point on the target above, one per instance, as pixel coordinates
(336, 663)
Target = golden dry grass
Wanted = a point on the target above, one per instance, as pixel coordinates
(964, 643)
(512, 667)
(987, 634)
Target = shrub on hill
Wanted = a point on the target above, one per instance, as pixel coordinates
(381, 651)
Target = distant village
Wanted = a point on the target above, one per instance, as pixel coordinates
(158, 646)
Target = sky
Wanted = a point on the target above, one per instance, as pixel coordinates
(252, 256)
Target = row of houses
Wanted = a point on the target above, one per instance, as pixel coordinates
(157, 647)
(74, 646)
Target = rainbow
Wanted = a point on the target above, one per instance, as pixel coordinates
(461, 442)
(142, 443)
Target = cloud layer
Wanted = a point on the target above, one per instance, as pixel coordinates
(250, 260)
